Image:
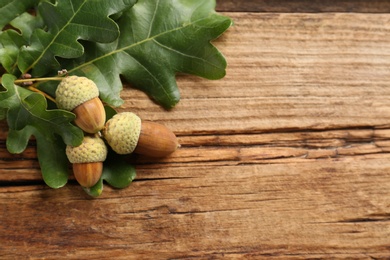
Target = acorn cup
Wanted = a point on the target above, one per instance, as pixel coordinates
(80, 95)
(126, 133)
(87, 160)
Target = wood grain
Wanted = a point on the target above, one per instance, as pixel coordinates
(312, 209)
(304, 6)
(287, 157)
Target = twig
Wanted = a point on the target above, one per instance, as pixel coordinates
(34, 89)
(18, 81)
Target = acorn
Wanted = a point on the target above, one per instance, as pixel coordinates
(127, 133)
(80, 95)
(87, 160)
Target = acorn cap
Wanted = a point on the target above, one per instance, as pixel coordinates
(74, 90)
(122, 132)
(92, 149)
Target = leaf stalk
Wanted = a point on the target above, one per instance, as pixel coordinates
(19, 81)
(34, 89)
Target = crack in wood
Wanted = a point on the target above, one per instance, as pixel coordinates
(372, 218)
(383, 217)
(364, 220)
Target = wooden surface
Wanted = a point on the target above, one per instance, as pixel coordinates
(287, 157)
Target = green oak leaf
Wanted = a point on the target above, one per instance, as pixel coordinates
(50, 152)
(158, 40)
(27, 23)
(11, 41)
(26, 108)
(10, 9)
(69, 21)
(17, 140)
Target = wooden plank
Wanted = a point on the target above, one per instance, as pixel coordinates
(304, 6)
(312, 209)
(203, 150)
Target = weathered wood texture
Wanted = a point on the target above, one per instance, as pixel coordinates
(287, 157)
(304, 6)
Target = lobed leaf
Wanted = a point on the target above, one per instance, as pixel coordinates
(158, 39)
(11, 41)
(17, 140)
(67, 22)
(10, 9)
(27, 23)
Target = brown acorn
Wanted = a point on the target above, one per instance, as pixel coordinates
(126, 133)
(81, 96)
(87, 160)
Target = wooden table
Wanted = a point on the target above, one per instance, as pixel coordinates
(287, 157)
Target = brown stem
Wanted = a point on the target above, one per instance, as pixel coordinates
(34, 89)
(18, 81)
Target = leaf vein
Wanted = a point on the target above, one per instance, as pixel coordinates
(185, 54)
(45, 50)
(151, 75)
(87, 63)
(154, 16)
